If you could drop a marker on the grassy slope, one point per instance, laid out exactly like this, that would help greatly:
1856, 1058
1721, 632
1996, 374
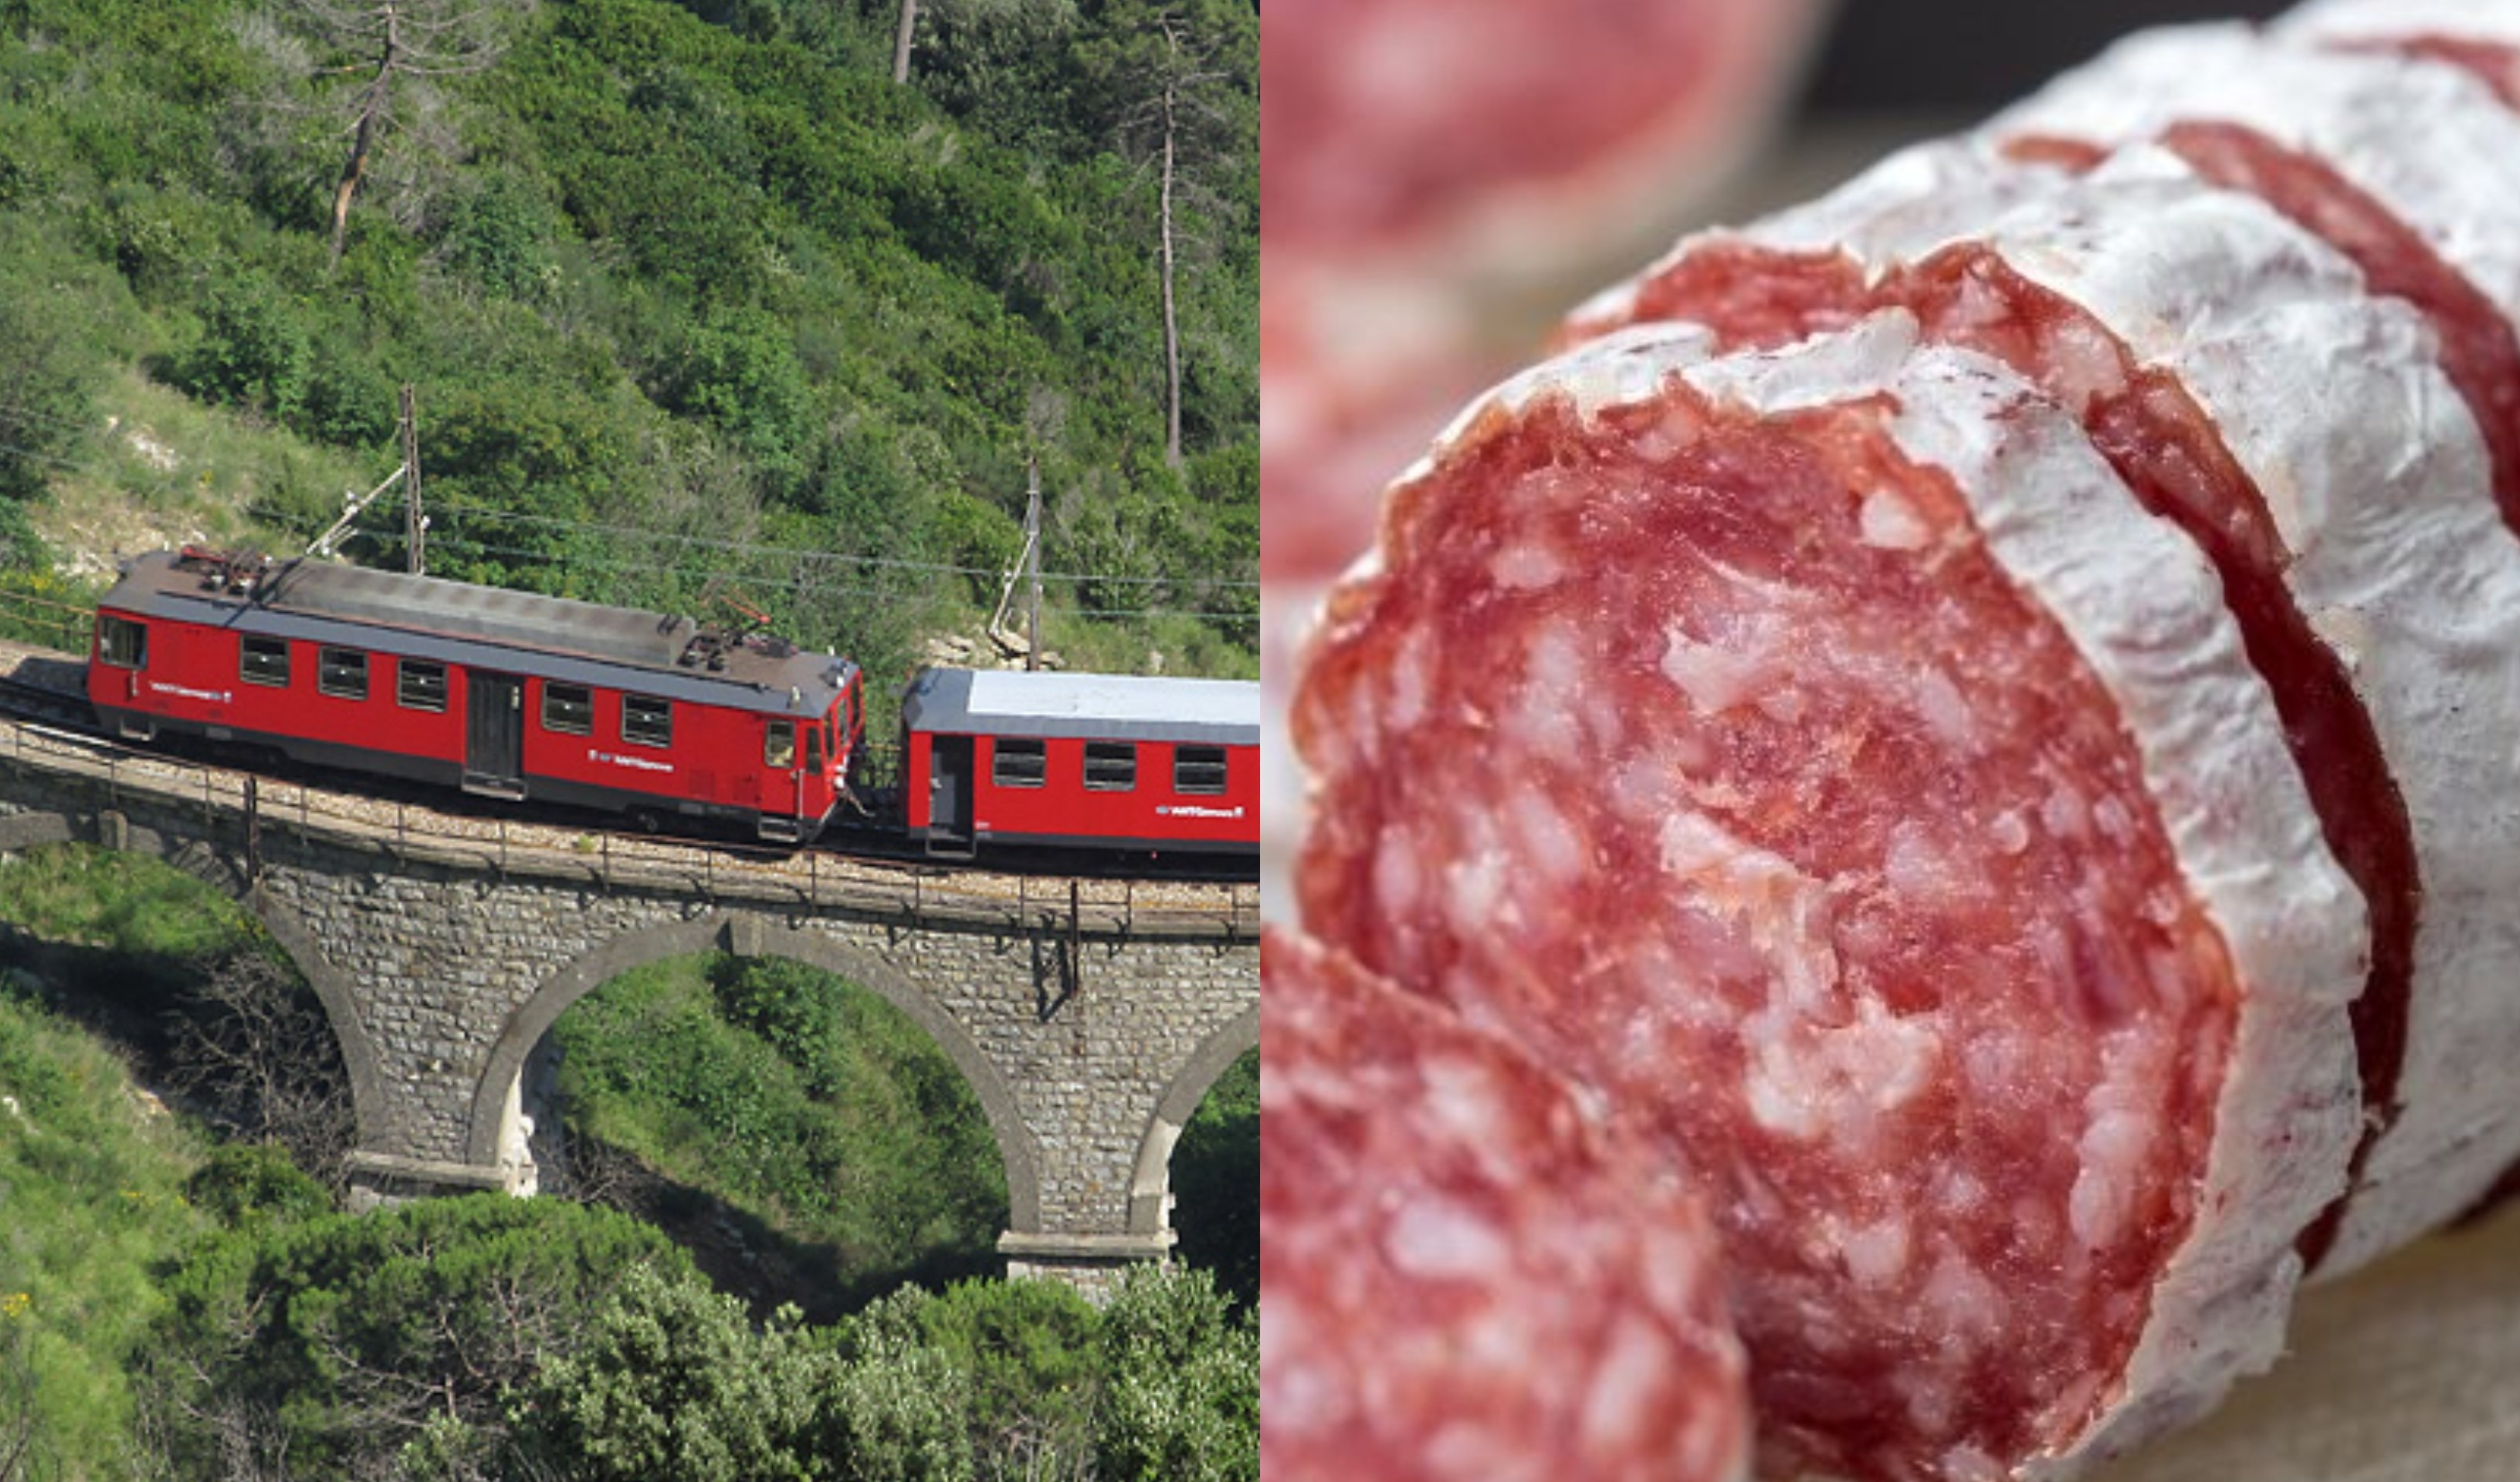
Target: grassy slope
91, 1168
126, 904
91, 1175
1216, 1181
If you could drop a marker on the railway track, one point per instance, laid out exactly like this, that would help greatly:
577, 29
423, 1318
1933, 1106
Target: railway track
46, 689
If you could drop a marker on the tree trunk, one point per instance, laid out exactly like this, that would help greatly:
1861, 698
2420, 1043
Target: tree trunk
363, 140
901, 40
1172, 321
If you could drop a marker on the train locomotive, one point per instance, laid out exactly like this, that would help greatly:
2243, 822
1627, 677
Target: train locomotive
660, 720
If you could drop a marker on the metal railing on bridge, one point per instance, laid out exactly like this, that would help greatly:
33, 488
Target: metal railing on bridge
35, 618
808, 879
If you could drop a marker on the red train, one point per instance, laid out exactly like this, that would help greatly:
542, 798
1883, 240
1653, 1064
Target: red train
663, 721
1127, 763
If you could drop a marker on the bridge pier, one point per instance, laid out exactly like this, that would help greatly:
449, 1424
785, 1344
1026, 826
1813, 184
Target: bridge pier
1091, 1263
1088, 1031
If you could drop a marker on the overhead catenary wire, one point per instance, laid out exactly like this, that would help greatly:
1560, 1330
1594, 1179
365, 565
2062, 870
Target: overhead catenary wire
441, 539
268, 515
846, 558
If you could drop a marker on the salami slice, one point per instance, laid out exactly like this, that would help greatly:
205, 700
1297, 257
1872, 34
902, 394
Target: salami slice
2414, 145
1356, 380
1286, 609
2302, 432
1423, 157
1492, 139
1823, 754
1461, 1277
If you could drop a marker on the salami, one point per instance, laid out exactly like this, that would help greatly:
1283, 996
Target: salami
2378, 594
2480, 35
1286, 611
2409, 166
1462, 1277
1356, 382
1977, 715
1422, 158
1823, 754
1488, 139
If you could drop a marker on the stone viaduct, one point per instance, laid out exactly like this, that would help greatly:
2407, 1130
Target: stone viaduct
1090, 1017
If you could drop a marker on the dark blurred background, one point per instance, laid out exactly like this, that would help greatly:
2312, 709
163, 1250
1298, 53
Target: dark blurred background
1978, 55
1888, 72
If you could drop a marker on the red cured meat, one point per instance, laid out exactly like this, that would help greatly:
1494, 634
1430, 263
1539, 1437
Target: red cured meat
1815, 977
1422, 159
2479, 350
1460, 1277
1392, 121
2173, 458
2495, 64
1351, 387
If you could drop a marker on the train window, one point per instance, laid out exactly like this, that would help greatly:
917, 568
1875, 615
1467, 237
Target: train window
423, 686
342, 672
1019, 764
121, 643
1199, 769
265, 661
569, 709
782, 750
1110, 766
647, 721
814, 750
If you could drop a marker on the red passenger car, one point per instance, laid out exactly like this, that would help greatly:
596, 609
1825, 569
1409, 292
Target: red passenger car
504, 694
1003, 756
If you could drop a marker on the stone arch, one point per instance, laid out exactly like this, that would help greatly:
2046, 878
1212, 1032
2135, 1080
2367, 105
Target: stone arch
752, 937
1150, 1185
111, 831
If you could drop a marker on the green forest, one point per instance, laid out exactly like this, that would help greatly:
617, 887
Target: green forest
693, 299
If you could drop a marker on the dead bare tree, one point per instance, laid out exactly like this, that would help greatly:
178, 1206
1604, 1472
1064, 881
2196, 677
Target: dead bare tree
1173, 119
400, 48
901, 40
252, 1047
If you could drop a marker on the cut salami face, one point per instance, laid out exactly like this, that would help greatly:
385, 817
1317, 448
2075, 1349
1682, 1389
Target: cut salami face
2243, 380
1461, 1277
1979, 716
1822, 755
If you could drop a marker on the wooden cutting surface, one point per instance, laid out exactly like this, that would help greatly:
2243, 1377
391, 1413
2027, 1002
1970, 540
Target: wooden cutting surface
2405, 1371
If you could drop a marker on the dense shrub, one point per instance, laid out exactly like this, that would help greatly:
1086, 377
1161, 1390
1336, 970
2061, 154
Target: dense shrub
339, 1341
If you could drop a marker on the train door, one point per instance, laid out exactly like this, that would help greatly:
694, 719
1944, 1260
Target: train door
494, 749
780, 795
949, 794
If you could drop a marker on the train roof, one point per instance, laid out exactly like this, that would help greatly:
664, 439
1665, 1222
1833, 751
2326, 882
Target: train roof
1222, 712
485, 627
